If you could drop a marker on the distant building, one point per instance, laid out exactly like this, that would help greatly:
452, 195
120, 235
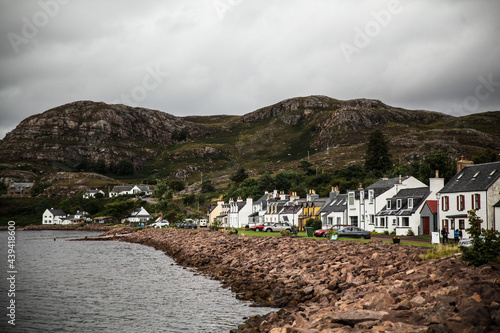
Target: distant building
139, 215
53, 216
127, 190
92, 193
20, 190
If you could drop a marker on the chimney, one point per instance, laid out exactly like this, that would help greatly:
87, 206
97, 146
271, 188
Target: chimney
360, 186
400, 180
437, 174
463, 163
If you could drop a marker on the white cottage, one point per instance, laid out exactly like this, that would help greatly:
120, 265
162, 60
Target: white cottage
53, 216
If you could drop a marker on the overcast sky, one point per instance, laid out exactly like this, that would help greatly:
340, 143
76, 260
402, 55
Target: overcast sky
202, 57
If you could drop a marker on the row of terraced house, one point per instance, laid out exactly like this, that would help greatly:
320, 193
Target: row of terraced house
402, 205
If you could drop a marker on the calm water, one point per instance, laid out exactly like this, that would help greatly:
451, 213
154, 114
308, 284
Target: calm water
64, 286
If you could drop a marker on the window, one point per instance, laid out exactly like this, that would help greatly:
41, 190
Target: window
388, 204
370, 196
460, 202
330, 220
354, 221
445, 203
372, 219
362, 197
398, 204
339, 220
351, 199
452, 225
410, 203
476, 201
382, 221
461, 224
406, 222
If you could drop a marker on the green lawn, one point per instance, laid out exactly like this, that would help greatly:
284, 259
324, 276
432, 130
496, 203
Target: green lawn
425, 239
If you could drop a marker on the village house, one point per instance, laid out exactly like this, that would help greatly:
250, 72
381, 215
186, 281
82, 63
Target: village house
335, 212
53, 216
92, 194
475, 187
239, 211
20, 190
364, 204
130, 190
311, 208
138, 216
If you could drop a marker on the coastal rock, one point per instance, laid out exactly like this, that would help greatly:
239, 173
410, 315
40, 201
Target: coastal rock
326, 286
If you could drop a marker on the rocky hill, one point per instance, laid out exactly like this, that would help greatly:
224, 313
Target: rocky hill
95, 131
330, 132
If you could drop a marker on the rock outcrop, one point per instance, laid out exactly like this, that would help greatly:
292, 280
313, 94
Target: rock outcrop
94, 131
339, 286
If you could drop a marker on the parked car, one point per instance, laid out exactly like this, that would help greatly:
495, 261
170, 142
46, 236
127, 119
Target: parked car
336, 227
260, 227
353, 232
160, 224
279, 226
465, 242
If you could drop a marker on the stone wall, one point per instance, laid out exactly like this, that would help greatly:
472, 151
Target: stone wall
338, 286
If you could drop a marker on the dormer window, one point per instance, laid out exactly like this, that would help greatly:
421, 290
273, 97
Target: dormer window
388, 204
410, 203
370, 196
398, 204
362, 197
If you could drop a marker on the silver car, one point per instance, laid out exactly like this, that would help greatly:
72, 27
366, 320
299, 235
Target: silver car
278, 227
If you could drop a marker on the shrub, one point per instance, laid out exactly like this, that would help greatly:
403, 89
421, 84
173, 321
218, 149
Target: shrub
285, 233
314, 223
485, 243
386, 232
410, 233
330, 233
374, 233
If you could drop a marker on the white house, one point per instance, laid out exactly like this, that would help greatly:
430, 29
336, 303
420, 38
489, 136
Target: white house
127, 190
334, 212
239, 211
475, 187
139, 215
92, 193
53, 216
364, 204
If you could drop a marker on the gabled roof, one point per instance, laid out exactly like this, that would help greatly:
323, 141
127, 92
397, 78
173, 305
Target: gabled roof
417, 194
433, 206
337, 204
57, 212
477, 177
121, 188
386, 183
21, 185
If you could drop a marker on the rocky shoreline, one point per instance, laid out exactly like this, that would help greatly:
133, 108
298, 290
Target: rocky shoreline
77, 227
337, 286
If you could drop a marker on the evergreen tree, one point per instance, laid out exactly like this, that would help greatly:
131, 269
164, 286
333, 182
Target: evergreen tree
377, 157
239, 176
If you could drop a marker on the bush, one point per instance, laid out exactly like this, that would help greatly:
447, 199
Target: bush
330, 233
285, 233
314, 223
485, 243
386, 232
410, 233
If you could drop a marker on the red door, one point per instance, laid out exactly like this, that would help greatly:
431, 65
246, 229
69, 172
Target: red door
426, 226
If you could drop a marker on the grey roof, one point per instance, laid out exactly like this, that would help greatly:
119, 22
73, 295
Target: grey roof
337, 204
386, 183
478, 177
57, 212
143, 188
21, 185
121, 188
417, 194
497, 204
